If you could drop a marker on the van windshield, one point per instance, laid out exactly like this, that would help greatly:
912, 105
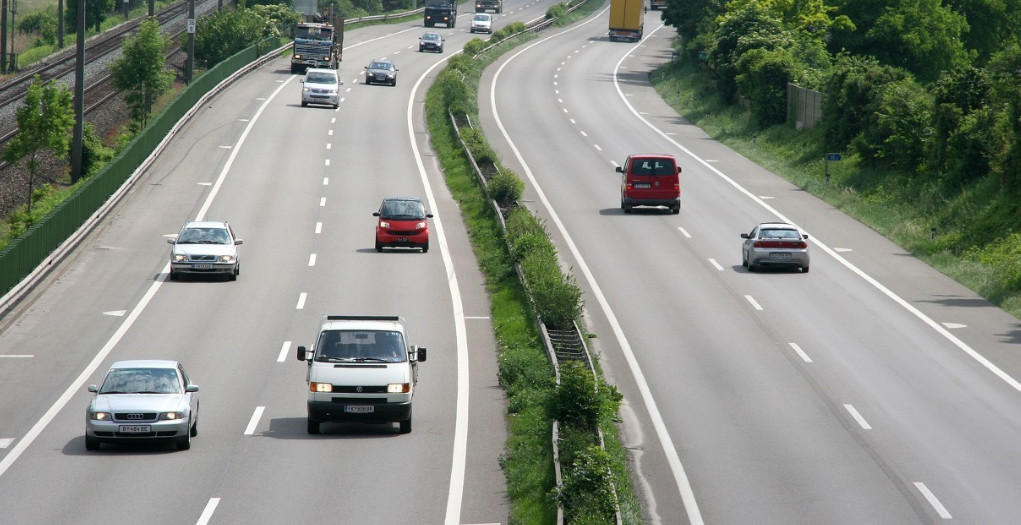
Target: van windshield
360, 346
653, 167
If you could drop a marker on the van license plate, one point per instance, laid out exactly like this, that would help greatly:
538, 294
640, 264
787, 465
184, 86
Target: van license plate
359, 409
643, 185
130, 429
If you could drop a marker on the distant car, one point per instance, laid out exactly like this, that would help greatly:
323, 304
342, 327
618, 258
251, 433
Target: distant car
650, 180
775, 244
430, 42
482, 23
321, 86
381, 71
143, 400
403, 222
205, 247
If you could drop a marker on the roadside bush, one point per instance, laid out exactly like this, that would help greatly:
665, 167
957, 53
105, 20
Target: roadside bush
587, 490
474, 47
575, 401
506, 188
522, 222
556, 296
42, 22
556, 11
95, 154
529, 243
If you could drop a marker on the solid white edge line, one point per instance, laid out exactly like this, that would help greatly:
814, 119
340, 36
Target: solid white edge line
254, 422
455, 492
76, 385
666, 442
207, 513
284, 350
857, 416
933, 500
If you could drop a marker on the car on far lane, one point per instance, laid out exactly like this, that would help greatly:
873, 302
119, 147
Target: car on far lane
430, 41
482, 23
381, 71
143, 400
775, 244
403, 222
205, 248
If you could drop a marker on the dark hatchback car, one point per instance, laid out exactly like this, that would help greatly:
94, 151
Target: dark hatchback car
430, 42
381, 71
403, 222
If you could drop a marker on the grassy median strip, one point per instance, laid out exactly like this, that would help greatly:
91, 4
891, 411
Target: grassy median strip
525, 372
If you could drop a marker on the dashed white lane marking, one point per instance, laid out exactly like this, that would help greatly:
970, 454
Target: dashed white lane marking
207, 513
284, 350
326, 181
684, 232
319, 227
312, 260
801, 353
301, 301
753, 303
254, 422
205, 184
322, 201
327, 162
765, 197
330, 132
597, 147
225, 147
6, 442
715, 264
329, 146
116, 313
16, 356
954, 326
933, 500
858, 417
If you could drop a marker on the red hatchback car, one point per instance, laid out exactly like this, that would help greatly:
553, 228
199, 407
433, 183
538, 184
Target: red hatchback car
650, 180
402, 223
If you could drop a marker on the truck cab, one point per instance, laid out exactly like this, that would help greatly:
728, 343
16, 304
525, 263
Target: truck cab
361, 369
441, 12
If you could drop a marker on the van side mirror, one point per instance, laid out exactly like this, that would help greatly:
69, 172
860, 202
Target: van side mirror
678, 169
620, 169
417, 353
301, 354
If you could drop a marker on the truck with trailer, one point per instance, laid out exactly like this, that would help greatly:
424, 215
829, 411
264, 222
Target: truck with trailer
441, 12
627, 20
317, 44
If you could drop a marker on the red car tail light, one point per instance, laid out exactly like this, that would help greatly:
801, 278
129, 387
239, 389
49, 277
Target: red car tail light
798, 245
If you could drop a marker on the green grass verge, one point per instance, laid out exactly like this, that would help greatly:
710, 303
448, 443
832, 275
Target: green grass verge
525, 372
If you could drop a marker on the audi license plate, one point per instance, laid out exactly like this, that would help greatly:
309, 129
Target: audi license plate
642, 185
359, 409
133, 429
779, 255
202, 267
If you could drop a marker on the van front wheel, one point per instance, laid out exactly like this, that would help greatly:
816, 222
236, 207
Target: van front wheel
313, 426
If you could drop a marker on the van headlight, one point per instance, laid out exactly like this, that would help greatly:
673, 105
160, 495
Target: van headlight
398, 388
320, 387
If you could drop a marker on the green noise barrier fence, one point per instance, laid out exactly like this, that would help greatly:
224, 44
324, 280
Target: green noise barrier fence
24, 254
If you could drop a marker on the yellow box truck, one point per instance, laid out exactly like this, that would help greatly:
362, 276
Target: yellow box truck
627, 18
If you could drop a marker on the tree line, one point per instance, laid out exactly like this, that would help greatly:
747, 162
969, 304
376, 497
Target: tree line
926, 90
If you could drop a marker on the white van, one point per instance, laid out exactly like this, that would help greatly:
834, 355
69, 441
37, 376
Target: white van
361, 369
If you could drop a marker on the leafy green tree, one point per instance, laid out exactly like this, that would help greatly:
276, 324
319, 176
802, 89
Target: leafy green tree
1005, 74
227, 32
96, 12
853, 86
45, 120
763, 75
282, 19
141, 71
42, 22
962, 119
994, 23
922, 36
738, 31
686, 16
901, 127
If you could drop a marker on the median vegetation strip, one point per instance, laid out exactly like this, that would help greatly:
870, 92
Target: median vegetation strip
533, 400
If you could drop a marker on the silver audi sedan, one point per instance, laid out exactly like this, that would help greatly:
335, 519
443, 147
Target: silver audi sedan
143, 400
205, 247
776, 244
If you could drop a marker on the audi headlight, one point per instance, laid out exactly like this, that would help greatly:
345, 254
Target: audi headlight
100, 416
171, 416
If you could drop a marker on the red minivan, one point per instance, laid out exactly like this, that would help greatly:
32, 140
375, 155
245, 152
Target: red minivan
650, 180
